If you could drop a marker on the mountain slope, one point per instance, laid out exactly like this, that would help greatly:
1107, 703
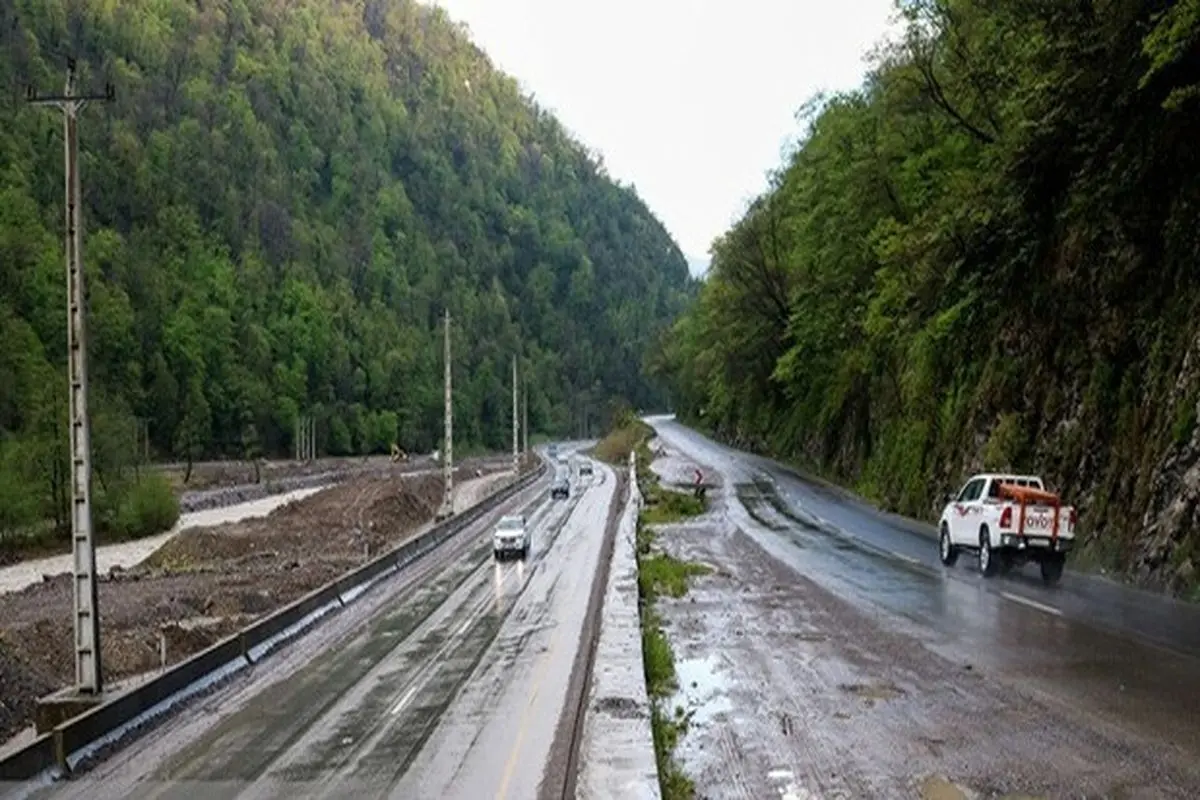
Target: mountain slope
983, 258
278, 206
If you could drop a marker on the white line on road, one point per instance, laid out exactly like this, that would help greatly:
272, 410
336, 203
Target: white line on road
1016, 598
464, 627
909, 559
403, 701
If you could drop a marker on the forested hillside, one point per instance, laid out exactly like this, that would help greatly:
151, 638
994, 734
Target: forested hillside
985, 257
278, 206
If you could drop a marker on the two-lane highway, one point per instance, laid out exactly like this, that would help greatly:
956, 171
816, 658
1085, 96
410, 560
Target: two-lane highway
1087, 689
449, 684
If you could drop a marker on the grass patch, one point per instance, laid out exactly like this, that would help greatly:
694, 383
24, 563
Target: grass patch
631, 434
659, 658
660, 574
673, 783
664, 505
661, 505
666, 729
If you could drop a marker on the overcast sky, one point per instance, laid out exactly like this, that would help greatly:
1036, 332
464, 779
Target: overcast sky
691, 101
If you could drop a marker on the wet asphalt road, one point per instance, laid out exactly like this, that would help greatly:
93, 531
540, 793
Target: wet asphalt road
451, 686
1088, 689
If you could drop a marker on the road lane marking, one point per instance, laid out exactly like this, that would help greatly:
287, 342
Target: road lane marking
430, 666
1016, 598
540, 671
511, 765
403, 701
909, 559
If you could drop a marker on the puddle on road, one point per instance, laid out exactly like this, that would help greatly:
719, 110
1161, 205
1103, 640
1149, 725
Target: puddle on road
936, 787
753, 499
872, 692
702, 692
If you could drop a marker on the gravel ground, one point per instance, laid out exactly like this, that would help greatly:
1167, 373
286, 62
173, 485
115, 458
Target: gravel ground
235, 482
122, 555
204, 584
208, 475
793, 691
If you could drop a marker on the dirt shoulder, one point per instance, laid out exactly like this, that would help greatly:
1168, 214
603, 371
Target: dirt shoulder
206, 583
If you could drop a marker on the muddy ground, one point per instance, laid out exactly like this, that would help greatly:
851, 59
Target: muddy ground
213, 474
206, 583
794, 690
222, 483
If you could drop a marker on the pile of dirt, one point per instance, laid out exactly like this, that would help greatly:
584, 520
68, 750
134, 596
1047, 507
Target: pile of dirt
20, 686
205, 584
225, 483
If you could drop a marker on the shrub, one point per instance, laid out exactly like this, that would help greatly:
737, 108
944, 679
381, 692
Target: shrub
143, 508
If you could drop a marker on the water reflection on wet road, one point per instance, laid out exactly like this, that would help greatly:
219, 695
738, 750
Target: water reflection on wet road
450, 682
1109, 673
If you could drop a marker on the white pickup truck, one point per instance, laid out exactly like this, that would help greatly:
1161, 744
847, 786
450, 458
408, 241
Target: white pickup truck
1008, 520
511, 537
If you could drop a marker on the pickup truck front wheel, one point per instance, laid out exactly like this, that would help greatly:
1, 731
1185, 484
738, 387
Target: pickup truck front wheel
946, 549
988, 563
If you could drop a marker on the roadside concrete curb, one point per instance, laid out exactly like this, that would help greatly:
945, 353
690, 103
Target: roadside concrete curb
617, 751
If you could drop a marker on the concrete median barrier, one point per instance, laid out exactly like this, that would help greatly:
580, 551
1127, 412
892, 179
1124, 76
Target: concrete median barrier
33, 758
616, 755
62, 749
76, 734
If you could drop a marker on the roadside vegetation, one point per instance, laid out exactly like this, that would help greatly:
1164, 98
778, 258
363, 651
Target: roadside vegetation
272, 237
665, 505
660, 574
130, 507
629, 434
983, 257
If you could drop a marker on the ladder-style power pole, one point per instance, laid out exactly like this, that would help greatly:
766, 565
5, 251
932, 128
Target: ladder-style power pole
448, 445
516, 453
89, 678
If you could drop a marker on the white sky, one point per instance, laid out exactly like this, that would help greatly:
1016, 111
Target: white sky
692, 101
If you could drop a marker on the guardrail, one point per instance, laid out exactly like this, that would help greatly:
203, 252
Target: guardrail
61, 750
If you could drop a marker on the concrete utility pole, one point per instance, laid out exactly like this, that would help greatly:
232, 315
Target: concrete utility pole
515, 426
89, 678
447, 508
525, 419
306, 438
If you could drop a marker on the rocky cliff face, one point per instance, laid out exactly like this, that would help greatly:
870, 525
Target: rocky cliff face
1165, 553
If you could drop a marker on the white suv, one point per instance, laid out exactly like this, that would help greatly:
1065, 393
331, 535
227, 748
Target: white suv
511, 537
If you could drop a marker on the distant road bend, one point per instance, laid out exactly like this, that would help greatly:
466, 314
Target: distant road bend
448, 682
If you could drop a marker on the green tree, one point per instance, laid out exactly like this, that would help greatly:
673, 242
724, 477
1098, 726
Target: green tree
195, 428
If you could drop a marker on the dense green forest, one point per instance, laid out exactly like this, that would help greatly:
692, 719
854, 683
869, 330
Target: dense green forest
278, 206
986, 256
